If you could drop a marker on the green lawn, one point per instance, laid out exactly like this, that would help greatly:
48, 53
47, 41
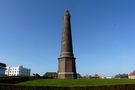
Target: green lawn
77, 82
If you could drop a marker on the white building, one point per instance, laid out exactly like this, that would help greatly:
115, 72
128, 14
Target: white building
2, 69
17, 71
131, 75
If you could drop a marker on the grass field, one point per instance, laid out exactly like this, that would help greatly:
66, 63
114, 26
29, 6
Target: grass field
77, 82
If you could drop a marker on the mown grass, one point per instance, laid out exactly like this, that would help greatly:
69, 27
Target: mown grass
77, 82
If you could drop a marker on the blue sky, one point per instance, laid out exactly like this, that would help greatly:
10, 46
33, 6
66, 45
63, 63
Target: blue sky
103, 34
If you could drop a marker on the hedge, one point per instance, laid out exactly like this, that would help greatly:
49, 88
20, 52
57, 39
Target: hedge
105, 87
15, 79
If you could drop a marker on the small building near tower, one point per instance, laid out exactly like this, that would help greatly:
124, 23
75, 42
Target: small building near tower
17, 71
2, 69
131, 75
51, 75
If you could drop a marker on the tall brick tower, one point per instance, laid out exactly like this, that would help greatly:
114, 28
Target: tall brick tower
67, 66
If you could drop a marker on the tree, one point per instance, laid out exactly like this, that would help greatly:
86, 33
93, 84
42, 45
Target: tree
121, 76
36, 75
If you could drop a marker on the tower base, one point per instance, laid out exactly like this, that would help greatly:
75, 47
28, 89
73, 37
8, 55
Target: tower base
67, 68
67, 75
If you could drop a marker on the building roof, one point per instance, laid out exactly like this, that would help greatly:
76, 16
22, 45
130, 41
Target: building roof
51, 73
132, 73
